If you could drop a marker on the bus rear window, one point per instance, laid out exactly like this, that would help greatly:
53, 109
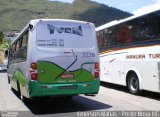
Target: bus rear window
64, 35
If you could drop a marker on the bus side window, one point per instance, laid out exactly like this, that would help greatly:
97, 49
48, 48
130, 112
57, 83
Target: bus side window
19, 44
25, 40
24, 46
14, 47
125, 34
14, 52
101, 39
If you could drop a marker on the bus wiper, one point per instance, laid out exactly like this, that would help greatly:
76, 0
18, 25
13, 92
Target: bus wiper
69, 65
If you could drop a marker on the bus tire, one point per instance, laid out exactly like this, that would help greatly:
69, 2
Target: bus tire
8, 80
18, 90
133, 84
20, 96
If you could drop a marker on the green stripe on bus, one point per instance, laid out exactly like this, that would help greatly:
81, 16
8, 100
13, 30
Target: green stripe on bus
51, 73
19, 76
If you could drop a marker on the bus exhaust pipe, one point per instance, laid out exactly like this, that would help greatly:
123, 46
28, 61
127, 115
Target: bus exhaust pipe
90, 95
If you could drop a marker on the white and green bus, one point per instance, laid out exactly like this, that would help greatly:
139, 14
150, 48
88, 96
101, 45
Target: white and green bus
54, 57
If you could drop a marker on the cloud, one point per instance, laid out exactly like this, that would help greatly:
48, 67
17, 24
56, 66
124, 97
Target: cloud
148, 9
157, 0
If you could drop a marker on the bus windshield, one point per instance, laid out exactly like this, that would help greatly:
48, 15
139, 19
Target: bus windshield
64, 35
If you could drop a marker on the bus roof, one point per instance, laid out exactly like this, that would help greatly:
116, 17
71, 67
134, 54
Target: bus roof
33, 21
66, 20
116, 22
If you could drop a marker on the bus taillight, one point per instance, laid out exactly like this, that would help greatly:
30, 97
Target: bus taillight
96, 72
96, 66
34, 66
33, 71
34, 76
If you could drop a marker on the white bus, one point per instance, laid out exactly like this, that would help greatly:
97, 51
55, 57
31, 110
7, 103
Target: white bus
130, 52
53, 57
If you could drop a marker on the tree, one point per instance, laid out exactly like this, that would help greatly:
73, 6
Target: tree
1, 37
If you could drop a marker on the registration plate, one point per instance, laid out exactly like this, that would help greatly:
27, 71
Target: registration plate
65, 76
67, 87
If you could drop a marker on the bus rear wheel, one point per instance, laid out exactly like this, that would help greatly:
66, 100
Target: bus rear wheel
133, 84
8, 80
20, 96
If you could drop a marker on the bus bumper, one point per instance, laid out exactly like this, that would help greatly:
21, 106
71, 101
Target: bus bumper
37, 89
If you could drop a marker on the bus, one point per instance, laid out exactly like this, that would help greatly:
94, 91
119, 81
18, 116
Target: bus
130, 52
54, 57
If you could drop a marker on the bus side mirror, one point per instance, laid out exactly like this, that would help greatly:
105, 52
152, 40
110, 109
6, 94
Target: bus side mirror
30, 26
6, 53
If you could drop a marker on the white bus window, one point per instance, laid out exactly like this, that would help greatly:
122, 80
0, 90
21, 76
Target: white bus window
62, 35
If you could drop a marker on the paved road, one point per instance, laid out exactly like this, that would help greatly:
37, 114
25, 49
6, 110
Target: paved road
110, 98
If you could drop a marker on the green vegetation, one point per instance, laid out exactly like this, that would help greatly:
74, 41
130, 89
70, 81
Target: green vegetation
3, 42
4, 45
15, 14
1, 37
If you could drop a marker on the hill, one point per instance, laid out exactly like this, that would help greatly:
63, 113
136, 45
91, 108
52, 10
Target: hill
15, 14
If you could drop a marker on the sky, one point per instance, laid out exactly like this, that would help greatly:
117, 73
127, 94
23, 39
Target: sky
131, 6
